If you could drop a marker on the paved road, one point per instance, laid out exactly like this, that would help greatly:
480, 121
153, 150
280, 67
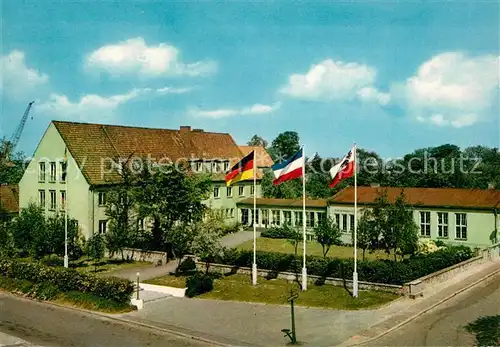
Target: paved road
444, 325
45, 325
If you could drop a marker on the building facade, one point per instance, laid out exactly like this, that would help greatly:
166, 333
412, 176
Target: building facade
455, 216
93, 152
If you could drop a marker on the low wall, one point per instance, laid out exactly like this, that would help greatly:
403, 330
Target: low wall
154, 257
177, 292
227, 269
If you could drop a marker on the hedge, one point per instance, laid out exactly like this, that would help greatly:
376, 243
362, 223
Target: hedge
67, 280
276, 233
376, 271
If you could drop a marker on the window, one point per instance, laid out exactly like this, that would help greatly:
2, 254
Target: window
310, 219
265, 218
62, 171
53, 173
101, 198
443, 224
276, 217
231, 212
52, 205
351, 224
244, 216
41, 198
199, 166
252, 190
214, 166
337, 219
461, 226
425, 224
298, 218
344, 223
63, 200
216, 192
226, 166
287, 217
229, 192
256, 217
241, 190
321, 217
41, 172
102, 226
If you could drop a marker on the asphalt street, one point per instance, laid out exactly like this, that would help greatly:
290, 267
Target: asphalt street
47, 325
444, 326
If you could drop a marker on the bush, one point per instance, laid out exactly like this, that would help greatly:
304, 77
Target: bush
198, 284
187, 265
67, 280
276, 233
377, 271
52, 260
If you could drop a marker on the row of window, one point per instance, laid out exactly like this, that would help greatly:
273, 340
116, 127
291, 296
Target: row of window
212, 166
442, 225
345, 221
229, 191
52, 172
53, 205
277, 219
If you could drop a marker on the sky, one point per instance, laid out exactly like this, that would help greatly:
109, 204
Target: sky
389, 76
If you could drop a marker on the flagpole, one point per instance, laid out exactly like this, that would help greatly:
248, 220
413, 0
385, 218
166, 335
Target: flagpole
66, 260
254, 264
355, 273
304, 268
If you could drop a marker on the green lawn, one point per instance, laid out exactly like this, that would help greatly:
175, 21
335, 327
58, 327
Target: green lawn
313, 248
105, 265
169, 281
276, 291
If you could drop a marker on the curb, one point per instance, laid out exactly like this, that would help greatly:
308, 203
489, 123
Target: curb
408, 320
125, 321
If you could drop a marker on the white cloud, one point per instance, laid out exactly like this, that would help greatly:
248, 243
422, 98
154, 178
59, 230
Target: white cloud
134, 56
255, 109
92, 107
17, 79
336, 80
453, 89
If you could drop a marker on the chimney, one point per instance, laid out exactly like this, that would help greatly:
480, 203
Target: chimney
374, 185
185, 129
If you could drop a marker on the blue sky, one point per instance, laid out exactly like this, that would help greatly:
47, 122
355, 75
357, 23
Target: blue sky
391, 77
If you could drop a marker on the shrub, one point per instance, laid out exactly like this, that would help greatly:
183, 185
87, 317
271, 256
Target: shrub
187, 265
52, 260
377, 271
276, 233
67, 280
198, 284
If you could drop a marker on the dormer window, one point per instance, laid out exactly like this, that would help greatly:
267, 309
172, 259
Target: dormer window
226, 166
215, 167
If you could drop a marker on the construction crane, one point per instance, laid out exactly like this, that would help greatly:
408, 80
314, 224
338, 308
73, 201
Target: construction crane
10, 145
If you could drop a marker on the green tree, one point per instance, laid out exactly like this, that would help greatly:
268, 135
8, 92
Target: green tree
400, 236
327, 234
367, 233
95, 249
257, 141
182, 237
11, 171
56, 233
29, 230
7, 248
206, 244
285, 145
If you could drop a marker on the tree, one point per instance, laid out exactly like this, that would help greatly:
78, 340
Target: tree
11, 171
327, 234
285, 145
7, 248
95, 249
400, 234
286, 190
168, 196
30, 231
182, 237
56, 236
207, 244
367, 233
257, 141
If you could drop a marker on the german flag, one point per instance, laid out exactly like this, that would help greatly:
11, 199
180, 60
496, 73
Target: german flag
242, 170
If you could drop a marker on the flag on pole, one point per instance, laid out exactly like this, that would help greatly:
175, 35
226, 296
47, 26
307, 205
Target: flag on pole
243, 170
289, 169
344, 169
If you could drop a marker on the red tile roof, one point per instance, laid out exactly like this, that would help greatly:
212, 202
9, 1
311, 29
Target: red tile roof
90, 144
9, 198
263, 158
320, 203
430, 197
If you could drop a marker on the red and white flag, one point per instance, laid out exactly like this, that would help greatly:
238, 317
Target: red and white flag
344, 169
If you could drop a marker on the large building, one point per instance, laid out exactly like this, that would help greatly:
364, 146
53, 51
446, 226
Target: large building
456, 216
93, 152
